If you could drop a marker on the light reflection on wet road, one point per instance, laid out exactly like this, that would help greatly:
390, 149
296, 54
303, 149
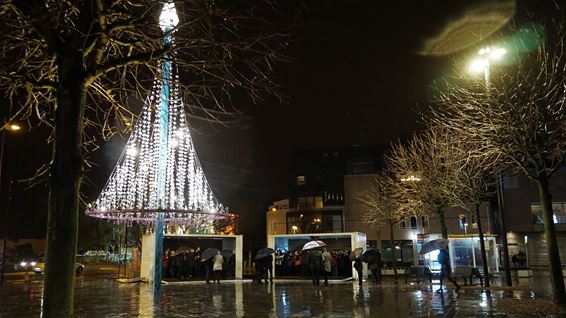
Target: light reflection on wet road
108, 298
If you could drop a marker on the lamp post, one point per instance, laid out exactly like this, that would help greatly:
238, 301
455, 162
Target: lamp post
13, 127
294, 228
483, 63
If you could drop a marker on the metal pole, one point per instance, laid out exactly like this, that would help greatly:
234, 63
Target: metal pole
503, 230
125, 249
4, 216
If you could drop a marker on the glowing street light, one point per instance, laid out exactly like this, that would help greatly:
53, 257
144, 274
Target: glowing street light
13, 127
294, 228
483, 62
410, 178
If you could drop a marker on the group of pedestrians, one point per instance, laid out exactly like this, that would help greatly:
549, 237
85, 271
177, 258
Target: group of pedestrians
320, 264
181, 264
187, 264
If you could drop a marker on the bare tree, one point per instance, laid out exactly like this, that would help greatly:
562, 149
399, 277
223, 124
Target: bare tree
382, 207
472, 181
78, 66
521, 117
420, 166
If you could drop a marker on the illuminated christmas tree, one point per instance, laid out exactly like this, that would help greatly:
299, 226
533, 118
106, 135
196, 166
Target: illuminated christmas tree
158, 179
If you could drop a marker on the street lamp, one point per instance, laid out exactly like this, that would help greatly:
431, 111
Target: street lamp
295, 228
8, 127
483, 62
488, 55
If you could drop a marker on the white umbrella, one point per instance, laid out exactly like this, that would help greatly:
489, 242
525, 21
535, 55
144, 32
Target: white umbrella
433, 246
313, 244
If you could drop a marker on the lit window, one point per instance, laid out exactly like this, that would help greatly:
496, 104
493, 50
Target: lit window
300, 180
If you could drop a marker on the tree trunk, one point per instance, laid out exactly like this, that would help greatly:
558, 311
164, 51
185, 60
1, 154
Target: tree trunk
503, 230
64, 183
556, 277
393, 250
482, 247
443, 228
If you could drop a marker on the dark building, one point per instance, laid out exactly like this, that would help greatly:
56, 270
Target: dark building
317, 187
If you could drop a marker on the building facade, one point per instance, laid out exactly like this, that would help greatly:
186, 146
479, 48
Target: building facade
329, 182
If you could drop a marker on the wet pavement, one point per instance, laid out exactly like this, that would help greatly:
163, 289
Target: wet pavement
99, 297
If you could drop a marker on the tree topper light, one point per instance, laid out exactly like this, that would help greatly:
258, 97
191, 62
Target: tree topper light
168, 19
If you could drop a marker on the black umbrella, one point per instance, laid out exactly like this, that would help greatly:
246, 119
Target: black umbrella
371, 255
226, 253
264, 252
208, 254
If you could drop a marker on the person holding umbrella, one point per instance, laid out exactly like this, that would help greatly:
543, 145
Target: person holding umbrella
445, 270
443, 258
263, 264
358, 265
206, 260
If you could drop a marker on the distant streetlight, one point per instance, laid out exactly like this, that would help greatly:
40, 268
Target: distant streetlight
295, 228
411, 178
487, 55
7, 127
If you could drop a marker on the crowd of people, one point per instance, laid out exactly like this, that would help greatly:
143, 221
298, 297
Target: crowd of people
317, 264
184, 264
296, 263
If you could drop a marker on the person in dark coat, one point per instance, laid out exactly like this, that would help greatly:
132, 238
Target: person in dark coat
445, 269
315, 263
208, 269
375, 268
263, 269
358, 265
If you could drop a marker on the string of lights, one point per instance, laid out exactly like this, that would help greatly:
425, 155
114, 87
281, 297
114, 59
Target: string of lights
159, 173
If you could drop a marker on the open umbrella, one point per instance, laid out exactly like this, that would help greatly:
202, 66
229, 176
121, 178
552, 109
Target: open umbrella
433, 246
226, 253
264, 252
371, 255
208, 254
355, 253
313, 244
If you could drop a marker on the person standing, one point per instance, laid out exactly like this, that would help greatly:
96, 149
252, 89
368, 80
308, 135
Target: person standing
165, 264
445, 269
358, 265
208, 264
326, 265
263, 269
218, 260
315, 262
375, 268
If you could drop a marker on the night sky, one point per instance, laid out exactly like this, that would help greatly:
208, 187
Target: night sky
359, 70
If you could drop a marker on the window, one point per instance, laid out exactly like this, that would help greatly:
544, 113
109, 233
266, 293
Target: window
402, 224
424, 221
301, 180
414, 223
463, 221
559, 214
510, 182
